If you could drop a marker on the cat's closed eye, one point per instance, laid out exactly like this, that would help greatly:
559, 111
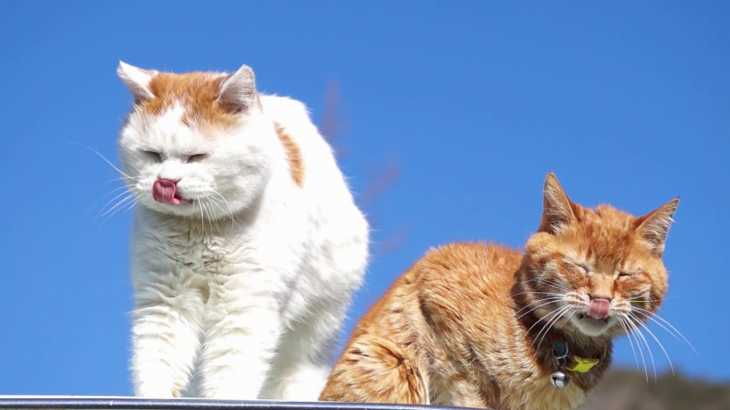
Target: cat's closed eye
624, 274
153, 155
196, 157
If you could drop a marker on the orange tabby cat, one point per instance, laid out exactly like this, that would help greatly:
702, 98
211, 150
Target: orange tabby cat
481, 325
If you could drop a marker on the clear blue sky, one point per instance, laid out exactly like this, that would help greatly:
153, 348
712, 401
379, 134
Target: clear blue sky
474, 102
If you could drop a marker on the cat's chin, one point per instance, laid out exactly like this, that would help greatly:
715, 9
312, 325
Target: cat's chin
591, 327
187, 208
190, 209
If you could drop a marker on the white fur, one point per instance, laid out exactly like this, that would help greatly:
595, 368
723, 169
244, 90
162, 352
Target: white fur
243, 297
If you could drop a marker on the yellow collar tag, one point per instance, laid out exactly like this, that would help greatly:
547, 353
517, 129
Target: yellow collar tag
582, 365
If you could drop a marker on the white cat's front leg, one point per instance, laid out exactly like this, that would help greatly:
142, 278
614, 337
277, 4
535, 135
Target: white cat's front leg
165, 339
239, 348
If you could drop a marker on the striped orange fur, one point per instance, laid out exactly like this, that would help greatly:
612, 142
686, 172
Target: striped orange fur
468, 324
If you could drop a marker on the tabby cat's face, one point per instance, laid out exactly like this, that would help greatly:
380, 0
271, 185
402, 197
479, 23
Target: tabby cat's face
596, 271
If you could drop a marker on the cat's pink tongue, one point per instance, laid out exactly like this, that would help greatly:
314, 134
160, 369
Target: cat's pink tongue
599, 308
164, 190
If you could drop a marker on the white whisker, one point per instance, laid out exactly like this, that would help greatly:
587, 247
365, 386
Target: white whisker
640, 334
227, 205
538, 304
103, 158
111, 211
207, 212
631, 342
666, 325
659, 343
551, 324
631, 334
202, 217
132, 204
547, 318
111, 201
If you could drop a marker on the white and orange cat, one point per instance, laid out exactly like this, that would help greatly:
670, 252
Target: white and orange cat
480, 325
247, 245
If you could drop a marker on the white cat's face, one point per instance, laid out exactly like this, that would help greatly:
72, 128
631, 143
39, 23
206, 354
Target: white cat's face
214, 175
193, 168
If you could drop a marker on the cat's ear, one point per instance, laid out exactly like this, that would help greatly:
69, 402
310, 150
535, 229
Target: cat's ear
654, 226
137, 80
558, 211
238, 91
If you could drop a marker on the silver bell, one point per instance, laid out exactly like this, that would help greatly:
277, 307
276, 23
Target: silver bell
559, 379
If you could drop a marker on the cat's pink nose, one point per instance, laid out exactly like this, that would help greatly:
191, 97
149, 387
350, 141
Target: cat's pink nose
599, 308
165, 191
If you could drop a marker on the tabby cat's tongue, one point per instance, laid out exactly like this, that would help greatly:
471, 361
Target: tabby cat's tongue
599, 308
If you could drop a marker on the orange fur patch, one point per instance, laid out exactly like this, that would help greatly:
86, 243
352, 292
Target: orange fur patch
293, 155
197, 92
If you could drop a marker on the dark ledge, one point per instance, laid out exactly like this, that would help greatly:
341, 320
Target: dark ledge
130, 403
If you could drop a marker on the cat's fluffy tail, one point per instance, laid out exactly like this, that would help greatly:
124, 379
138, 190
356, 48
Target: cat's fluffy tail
377, 371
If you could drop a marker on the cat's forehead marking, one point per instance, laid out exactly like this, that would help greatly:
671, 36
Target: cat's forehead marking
169, 120
606, 233
607, 222
196, 92
610, 217
167, 131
